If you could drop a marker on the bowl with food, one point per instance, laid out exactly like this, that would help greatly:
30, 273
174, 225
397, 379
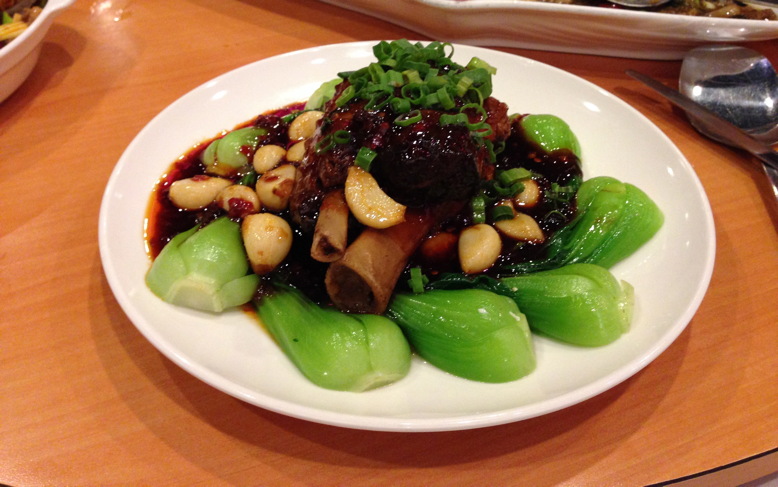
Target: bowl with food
24, 25
580, 26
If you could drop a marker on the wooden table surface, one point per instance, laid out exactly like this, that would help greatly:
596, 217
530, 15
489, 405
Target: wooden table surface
86, 400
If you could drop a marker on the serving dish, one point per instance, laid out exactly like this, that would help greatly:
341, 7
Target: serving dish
565, 28
234, 354
18, 58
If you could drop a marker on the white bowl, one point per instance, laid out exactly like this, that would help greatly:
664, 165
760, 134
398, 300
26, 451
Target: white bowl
18, 57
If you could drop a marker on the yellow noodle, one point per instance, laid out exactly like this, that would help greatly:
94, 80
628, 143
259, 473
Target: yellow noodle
12, 30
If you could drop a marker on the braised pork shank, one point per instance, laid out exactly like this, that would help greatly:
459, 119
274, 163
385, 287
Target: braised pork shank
431, 167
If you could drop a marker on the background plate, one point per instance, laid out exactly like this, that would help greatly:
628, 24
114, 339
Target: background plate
565, 28
234, 354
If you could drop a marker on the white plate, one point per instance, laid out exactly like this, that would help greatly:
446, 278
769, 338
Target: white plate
232, 353
566, 28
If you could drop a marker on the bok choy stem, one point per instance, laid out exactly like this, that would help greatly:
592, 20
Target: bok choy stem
204, 269
334, 350
471, 333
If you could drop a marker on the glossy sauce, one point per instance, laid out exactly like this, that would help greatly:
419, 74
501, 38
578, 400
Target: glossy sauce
164, 220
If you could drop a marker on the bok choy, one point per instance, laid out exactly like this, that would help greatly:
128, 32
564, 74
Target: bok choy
204, 268
614, 219
471, 333
550, 133
581, 304
334, 350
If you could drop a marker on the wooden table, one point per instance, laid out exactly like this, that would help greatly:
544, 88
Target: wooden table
86, 400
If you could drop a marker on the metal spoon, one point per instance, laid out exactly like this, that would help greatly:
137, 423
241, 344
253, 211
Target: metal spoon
738, 84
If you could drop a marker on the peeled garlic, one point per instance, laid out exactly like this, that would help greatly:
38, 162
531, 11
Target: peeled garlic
521, 227
275, 187
238, 200
304, 125
296, 153
267, 157
267, 239
479, 246
530, 196
196, 192
368, 202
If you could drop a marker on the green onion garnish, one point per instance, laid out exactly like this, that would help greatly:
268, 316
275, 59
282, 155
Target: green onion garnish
501, 212
418, 280
478, 208
289, 117
513, 175
341, 137
365, 158
408, 119
249, 179
425, 75
476, 63
453, 119
394, 78
400, 105
445, 99
346, 96
324, 144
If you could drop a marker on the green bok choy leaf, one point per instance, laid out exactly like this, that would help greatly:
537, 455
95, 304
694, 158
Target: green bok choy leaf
205, 269
323, 94
225, 156
469, 333
581, 304
614, 219
334, 350
550, 133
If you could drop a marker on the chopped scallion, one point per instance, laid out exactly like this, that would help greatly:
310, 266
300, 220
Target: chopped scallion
513, 175
289, 117
324, 144
408, 119
249, 179
412, 76
365, 158
425, 75
418, 280
476, 63
445, 99
346, 96
453, 119
341, 137
478, 207
501, 212
400, 105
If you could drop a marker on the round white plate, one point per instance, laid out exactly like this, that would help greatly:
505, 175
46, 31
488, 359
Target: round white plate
549, 26
232, 352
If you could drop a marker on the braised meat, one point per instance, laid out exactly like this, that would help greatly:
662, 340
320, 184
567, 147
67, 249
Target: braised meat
426, 163
419, 164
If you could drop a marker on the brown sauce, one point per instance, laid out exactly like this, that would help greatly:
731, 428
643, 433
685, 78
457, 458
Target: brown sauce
164, 220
